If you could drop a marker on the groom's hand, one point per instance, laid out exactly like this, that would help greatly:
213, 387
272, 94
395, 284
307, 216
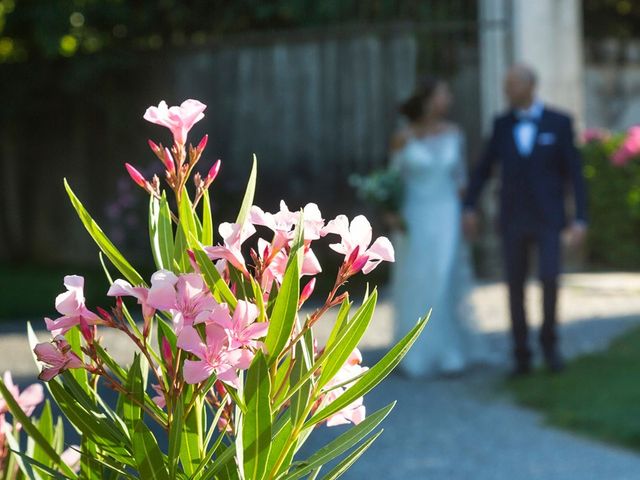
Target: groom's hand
577, 234
470, 224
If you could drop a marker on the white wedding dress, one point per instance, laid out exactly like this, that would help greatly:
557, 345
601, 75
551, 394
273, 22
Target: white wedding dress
432, 269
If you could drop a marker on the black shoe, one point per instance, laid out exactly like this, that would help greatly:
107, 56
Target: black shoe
554, 361
521, 370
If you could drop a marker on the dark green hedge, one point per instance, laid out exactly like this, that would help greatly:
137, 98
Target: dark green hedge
614, 206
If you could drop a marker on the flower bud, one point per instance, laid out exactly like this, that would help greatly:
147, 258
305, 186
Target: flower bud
168, 162
358, 264
353, 256
154, 147
213, 172
307, 290
86, 330
202, 144
136, 176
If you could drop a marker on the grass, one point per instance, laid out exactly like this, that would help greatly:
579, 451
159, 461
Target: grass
29, 291
597, 396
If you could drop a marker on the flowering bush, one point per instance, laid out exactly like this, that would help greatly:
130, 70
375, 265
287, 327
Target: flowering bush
612, 170
227, 379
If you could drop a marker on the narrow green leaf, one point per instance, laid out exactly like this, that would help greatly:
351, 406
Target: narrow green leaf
285, 308
207, 220
256, 427
249, 193
215, 282
107, 247
131, 409
302, 364
51, 473
45, 426
372, 377
175, 438
74, 337
180, 258
187, 218
341, 320
90, 469
347, 342
343, 443
147, 453
352, 458
16, 457
161, 232
33, 431
191, 443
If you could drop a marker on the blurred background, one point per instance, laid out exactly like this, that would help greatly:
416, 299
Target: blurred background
312, 88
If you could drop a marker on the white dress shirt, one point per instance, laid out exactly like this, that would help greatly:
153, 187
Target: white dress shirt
526, 128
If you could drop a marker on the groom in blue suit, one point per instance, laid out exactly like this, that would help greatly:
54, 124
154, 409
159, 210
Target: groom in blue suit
533, 148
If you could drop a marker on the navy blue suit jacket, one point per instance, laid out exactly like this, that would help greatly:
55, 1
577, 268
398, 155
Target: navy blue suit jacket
533, 188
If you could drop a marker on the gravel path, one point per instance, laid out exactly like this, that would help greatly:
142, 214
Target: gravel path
466, 428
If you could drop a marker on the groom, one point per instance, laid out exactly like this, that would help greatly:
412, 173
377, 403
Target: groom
533, 147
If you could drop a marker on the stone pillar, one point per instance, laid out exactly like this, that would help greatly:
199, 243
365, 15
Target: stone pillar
494, 19
547, 34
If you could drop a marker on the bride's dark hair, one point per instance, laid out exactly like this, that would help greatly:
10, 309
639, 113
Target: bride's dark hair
413, 107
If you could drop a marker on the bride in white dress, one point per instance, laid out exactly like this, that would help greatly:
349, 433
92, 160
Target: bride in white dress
432, 269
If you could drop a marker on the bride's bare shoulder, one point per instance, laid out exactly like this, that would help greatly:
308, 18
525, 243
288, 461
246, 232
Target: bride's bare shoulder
400, 138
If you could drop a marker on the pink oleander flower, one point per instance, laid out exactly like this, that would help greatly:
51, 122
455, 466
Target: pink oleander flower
71, 305
71, 456
58, 357
233, 236
29, 399
356, 240
185, 296
277, 265
354, 412
158, 398
282, 223
594, 135
214, 356
241, 328
629, 149
122, 288
177, 119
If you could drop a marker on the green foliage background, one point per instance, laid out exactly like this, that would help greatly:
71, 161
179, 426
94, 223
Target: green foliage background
614, 206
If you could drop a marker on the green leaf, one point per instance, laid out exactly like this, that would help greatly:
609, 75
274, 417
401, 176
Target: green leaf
278, 444
302, 363
187, 218
180, 258
107, 247
285, 308
191, 443
341, 444
348, 340
352, 458
175, 438
256, 428
131, 406
16, 457
74, 337
341, 319
249, 193
207, 220
372, 377
51, 473
215, 282
161, 232
45, 426
90, 469
147, 453
33, 431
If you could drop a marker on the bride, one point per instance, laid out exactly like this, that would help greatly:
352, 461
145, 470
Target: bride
432, 269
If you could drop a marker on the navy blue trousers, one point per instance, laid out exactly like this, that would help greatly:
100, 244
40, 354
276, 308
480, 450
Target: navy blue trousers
518, 245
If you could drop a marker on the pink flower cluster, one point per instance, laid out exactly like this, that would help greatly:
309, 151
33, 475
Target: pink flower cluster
345, 378
595, 135
214, 337
629, 149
